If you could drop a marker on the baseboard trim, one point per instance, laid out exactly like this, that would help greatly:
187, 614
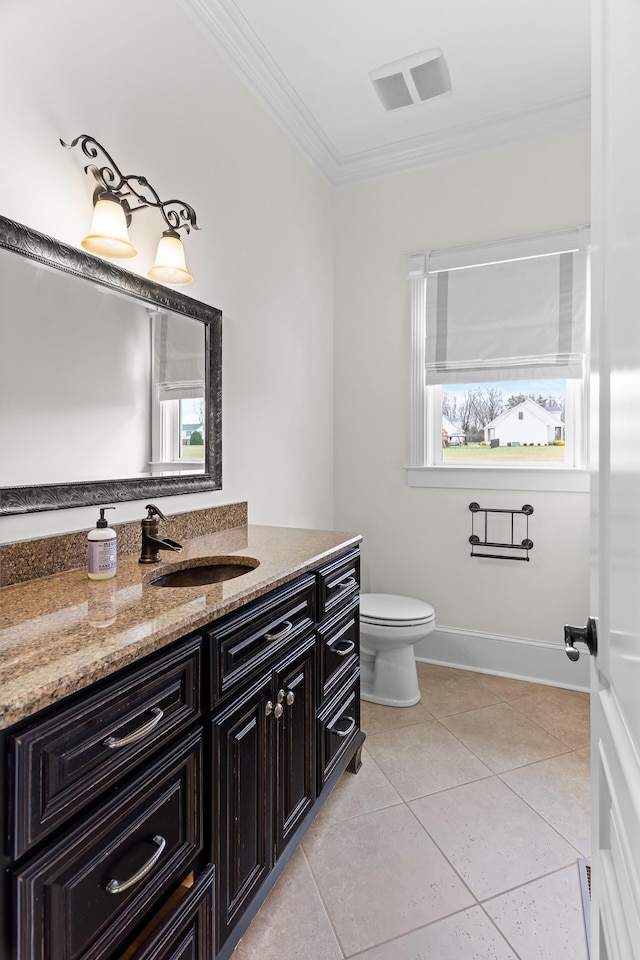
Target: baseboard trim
537, 661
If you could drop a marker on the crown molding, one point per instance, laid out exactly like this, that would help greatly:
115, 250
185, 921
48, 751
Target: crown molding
461, 141
231, 35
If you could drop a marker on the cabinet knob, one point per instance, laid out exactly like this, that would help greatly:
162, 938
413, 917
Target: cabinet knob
280, 696
290, 697
268, 710
278, 710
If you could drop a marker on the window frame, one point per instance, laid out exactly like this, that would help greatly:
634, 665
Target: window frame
426, 468
166, 438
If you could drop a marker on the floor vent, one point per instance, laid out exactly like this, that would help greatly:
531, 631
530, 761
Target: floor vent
584, 871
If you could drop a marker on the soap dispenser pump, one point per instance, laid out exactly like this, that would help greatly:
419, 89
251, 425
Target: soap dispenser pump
102, 552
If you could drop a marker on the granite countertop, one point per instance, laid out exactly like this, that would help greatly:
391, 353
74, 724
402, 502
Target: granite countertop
61, 633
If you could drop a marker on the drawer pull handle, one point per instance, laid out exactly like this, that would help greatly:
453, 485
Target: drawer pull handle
348, 582
351, 722
139, 734
119, 886
288, 627
348, 648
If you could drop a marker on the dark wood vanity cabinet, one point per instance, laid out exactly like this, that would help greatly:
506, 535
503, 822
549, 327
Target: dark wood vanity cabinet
264, 749
285, 725
148, 816
105, 817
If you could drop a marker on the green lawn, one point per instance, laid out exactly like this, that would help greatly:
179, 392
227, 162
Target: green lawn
487, 455
193, 452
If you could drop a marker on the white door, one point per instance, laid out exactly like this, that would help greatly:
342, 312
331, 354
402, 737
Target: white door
616, 490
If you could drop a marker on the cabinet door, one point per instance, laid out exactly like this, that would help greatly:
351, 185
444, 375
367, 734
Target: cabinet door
242, 750
295, 754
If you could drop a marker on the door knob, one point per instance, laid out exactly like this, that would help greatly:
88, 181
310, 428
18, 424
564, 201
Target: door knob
587, 635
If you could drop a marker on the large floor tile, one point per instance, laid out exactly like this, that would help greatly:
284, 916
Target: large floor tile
508, 689
564, 713
292, 923
375, 718
446, 691
492, 837
381, 876
424, 759
503, 738
353, 795
543, 920
559, 789
466, 936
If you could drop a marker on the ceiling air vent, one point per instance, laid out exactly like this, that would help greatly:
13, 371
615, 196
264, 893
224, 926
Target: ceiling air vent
421, 76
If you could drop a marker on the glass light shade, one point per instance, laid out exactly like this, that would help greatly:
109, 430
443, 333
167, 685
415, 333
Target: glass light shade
108, 236
170, 265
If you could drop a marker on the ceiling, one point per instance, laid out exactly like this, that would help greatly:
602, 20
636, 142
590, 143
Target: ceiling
518, 68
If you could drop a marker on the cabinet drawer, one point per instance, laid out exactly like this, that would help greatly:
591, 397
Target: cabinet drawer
186, 931
62, 763
244, 642
338, 581
82, 897
338, 726
339, 648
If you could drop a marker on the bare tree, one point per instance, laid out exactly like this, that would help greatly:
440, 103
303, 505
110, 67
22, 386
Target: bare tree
489, 403
467, 412
450, 407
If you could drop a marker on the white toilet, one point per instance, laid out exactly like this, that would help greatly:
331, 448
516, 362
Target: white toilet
390, 626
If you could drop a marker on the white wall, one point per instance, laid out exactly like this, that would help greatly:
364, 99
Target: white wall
140, 78
79, 403
416, 540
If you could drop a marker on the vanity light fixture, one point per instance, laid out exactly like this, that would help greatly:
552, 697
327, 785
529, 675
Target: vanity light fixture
113, 199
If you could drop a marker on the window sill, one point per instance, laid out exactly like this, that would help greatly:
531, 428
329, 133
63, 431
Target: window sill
500, 478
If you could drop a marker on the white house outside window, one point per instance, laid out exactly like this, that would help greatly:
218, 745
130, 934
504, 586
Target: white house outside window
499, 361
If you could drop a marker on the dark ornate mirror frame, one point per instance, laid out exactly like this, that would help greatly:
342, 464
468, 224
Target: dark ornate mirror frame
53, 253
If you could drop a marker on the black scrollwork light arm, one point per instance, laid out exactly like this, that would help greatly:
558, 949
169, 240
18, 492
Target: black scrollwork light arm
177, 214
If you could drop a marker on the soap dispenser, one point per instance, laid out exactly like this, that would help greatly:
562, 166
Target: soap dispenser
102, 549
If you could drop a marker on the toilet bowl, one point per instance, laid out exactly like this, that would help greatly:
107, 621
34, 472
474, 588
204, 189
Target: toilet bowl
390, 627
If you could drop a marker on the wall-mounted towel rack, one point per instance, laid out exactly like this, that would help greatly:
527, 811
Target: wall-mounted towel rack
523, 546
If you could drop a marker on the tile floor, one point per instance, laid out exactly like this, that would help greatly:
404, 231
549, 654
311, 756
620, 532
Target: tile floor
458, 839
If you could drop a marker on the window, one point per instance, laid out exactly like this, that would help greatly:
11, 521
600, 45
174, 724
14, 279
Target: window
499, 361
178, 387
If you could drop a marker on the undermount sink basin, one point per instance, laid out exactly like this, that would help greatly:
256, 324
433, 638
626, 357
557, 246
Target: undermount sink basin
200, 572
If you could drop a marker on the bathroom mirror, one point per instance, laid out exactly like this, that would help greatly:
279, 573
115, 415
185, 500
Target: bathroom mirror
110, 384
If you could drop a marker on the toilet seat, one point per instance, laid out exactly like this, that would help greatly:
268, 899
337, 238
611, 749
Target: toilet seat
388, 609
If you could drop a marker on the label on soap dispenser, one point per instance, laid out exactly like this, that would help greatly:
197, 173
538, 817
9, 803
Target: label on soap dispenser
102, 556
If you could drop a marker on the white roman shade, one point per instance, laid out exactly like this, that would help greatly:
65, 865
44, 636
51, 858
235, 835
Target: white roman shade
508, 311
178, 356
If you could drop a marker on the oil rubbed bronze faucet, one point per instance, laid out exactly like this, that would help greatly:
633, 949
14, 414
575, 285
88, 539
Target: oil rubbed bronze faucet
152, 543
